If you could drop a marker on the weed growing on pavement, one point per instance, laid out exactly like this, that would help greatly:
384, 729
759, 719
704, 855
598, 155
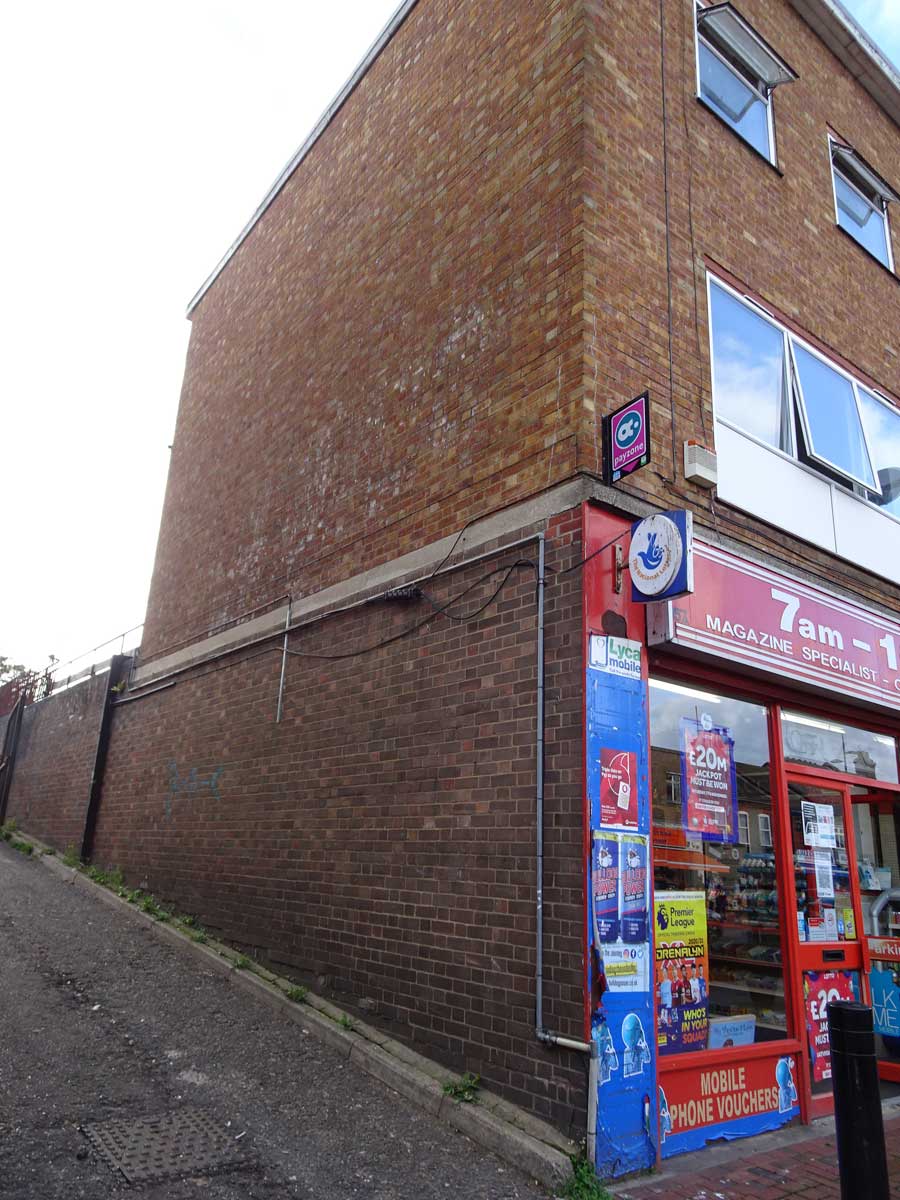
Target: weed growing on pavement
297, 994
465, 1089
242, 963
199, 937
584, 1184
23, 847
346, 1022
70, 856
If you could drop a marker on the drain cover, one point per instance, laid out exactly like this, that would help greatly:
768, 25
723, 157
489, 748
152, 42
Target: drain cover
184, 1142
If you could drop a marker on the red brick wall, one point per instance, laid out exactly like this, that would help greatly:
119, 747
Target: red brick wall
384, 833
397, 345
55, 762
728, 208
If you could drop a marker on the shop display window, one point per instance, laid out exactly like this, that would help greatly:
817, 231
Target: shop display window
719, 972
832, 746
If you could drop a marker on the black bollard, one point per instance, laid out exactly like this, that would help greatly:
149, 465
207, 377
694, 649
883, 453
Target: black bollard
859, 1128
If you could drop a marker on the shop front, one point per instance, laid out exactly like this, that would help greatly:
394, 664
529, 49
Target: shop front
750, 765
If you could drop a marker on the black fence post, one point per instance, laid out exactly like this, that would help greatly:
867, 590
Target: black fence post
859, 1127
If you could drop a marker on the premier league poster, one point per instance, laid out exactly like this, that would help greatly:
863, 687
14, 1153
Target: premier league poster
682, 971
708, 780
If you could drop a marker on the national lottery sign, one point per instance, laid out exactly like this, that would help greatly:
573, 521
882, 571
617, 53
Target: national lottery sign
748, 614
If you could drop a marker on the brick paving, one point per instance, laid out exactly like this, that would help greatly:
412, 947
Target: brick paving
804, 1168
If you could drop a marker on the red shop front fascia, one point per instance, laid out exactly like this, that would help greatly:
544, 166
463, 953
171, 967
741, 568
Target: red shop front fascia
788, 885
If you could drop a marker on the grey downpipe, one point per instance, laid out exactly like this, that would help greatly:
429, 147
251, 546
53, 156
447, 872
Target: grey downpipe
543, 1035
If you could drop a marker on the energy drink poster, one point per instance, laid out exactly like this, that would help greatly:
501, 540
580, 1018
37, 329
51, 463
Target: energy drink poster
682, 972
708, 780
619, 925
619, 889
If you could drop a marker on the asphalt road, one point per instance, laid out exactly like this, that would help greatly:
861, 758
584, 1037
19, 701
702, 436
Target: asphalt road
100, 1021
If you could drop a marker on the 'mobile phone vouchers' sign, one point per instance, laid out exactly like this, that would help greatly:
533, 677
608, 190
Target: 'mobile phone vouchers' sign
752, 1097
750, 614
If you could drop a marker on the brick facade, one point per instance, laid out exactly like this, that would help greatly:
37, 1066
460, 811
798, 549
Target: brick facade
54, 763
396, 347
383, 834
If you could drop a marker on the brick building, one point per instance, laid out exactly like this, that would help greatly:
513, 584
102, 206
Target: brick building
345, 745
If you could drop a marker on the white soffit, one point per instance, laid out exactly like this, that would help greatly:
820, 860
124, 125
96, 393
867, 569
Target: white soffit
855, 49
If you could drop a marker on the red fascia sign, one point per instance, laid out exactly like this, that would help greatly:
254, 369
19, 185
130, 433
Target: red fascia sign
747, 613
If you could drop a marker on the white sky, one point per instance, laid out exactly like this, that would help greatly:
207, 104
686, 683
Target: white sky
137, 142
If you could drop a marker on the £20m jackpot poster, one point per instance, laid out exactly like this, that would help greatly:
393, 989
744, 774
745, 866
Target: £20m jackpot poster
708, 780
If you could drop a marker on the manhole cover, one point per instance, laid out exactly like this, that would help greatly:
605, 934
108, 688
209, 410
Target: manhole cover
184, 1142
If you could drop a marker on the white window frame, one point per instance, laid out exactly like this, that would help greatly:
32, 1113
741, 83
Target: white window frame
793, 340
764, 824
878, 205
759, 87
743, 828
860, 491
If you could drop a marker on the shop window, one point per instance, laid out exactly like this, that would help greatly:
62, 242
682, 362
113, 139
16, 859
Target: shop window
765, 830
833, 746
821, 866
737, 73
772, 387
861, 198
743, 827
718, 941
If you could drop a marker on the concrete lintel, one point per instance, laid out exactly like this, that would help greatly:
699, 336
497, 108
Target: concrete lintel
529, 513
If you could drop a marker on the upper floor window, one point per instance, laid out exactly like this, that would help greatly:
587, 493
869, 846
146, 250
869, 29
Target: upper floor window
737, 72
781, 391
861, 198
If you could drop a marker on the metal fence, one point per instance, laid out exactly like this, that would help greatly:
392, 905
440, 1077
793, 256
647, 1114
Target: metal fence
32, 686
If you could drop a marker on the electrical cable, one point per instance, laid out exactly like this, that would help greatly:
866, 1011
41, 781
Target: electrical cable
440, 610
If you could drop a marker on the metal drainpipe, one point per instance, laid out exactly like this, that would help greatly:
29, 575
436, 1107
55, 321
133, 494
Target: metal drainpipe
539, 949
543, 1035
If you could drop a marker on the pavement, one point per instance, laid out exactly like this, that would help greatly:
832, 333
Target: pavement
101, 1021
796, 1164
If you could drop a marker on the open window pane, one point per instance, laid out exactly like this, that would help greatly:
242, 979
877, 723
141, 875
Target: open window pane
748, 371
831, 418
882, 424
862, 219
736, 102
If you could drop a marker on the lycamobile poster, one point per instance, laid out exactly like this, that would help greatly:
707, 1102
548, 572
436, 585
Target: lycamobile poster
708, 780
682, 971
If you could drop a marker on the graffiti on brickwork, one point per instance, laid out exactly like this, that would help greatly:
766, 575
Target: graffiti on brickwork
191, 784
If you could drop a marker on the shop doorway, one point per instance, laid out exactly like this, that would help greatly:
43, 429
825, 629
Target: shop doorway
827, 941
845, 945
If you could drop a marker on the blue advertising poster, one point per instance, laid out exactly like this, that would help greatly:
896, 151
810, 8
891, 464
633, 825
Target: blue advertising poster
619, 924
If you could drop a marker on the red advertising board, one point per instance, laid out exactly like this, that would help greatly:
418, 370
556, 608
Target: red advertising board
618, 788
750, 614
819, 989
754, 1089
